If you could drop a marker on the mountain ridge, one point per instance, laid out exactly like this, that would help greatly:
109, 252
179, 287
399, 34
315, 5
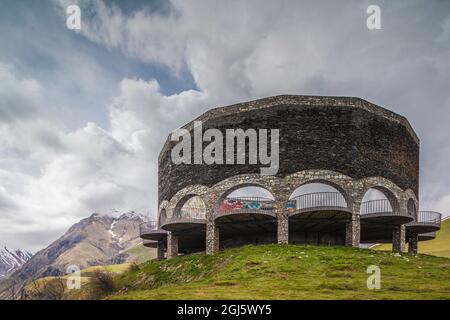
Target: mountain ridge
96, 240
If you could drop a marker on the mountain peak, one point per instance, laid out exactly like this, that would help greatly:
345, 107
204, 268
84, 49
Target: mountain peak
10, 260
116, 215
132, 215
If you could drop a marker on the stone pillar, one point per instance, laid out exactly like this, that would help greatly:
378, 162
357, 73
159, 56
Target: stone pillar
172, 245
413, 240
160, 250
398, 239
353, 230
282, 221
283, 229
212, 230
212, 237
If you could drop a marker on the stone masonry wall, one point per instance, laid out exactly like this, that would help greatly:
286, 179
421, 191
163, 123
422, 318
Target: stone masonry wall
348, 143
346, 135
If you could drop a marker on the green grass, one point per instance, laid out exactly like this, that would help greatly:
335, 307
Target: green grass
140, 254
85, 274
438, 247
114, 268
287, 272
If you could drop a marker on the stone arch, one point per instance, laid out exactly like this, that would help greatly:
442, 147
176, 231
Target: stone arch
390, 190
411, 208
163, 213
188, 192
411, 203
409, 194
162, 217
183, 195
227, 192
222, 189
339, 181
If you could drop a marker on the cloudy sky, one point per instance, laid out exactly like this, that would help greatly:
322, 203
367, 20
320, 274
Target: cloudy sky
83, 114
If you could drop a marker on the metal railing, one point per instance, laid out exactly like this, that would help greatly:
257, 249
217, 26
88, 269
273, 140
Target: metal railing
317, 200
146, 227
188, 213
245, 203
428, 218
376, 207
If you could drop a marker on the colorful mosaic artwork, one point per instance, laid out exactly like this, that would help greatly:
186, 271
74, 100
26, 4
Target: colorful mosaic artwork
291, 205
231, 204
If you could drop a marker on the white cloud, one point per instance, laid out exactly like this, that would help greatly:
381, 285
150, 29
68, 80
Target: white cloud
52, 176
86, 170
250, 49
19, 96
113, 29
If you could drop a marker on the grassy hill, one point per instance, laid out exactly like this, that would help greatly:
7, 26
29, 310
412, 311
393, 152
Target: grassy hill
438, 247
137, 254
82, 294
287, 272
140, 253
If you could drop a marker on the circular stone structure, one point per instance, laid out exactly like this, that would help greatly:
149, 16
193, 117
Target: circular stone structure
347, 143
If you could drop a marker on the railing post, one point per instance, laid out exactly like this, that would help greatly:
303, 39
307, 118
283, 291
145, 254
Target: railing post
353, 227
172, 245
398, 239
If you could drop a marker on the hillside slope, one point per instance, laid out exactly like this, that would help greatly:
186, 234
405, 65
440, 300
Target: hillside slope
439, 247
287, 272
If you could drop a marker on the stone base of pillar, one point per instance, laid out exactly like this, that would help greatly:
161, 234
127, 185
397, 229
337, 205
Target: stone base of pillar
160, 250
413, 243
398, 239
212, 238
172, 245
283, 229
353, 231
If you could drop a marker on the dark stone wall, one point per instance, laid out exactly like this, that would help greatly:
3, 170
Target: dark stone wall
337, 135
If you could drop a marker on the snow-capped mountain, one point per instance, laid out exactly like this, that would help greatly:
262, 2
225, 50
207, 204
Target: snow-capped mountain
10, 260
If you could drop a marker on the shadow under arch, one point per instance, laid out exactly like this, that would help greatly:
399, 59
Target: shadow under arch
244, 215
318, 212
325, 182
380, 201
381, 214
188, 222
190, 206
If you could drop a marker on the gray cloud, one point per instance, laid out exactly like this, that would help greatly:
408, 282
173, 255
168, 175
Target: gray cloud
59, 167
246, 50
